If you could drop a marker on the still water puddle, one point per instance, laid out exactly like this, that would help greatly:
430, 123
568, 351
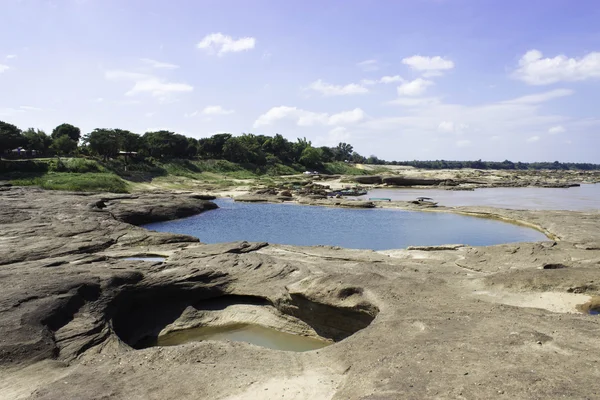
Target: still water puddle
249, 333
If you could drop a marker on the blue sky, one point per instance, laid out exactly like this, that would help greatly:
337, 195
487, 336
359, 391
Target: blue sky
419, 79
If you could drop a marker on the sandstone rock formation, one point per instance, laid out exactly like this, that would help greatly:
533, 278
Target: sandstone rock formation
447, 322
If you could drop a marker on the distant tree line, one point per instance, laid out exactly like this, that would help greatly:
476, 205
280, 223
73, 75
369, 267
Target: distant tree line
258, 150
508, 165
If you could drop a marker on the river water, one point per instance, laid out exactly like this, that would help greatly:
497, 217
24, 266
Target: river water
583, 198
377, 229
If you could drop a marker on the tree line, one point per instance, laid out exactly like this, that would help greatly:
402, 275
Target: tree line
257, 150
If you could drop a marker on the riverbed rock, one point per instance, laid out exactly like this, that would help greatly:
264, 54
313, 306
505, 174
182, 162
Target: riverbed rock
368, 179
457, 322
202, 196
404, 181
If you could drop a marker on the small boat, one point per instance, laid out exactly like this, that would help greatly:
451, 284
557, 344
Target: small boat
425, 201
348, 192
380, 199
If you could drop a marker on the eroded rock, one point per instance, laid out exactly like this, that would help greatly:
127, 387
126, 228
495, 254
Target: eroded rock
457, 321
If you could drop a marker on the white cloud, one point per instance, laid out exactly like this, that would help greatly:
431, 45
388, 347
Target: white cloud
222, 44
11, 56
384, 79
391, 79
158, 64
284, 112
451, 127
414, 88
463, 143
309, 118
333, 137
426, 119
4, 68
533, 139
347, 117
150, 84
30, 108
556, 130
541, 97
339, 133
216, 110
369, 65
536, 70
446, 126
10, 111
327, 89
158, 88
429, 66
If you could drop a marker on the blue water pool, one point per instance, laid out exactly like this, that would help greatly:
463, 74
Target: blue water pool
377, 229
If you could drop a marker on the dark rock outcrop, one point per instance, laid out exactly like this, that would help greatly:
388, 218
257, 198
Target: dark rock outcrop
403, 181
368, 179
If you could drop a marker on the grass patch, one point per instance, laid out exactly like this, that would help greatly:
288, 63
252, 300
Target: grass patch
281, 169
379, 170
76, 182
341, 168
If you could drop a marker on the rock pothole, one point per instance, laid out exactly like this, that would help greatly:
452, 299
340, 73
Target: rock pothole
163, 317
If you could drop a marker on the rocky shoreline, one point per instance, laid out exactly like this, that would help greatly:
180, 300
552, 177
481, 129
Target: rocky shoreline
439, 322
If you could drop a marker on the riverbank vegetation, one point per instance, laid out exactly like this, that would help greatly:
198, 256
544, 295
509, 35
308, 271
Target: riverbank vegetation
117, 159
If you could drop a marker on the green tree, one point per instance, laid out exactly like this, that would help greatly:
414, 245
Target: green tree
192, 148
10, 137
357, 158
235, 151
299, 148
69, 130
253, 145
373, 160
343, 151
279, 147
165, 144
129, 141
104, 142
327, 154
311, 157
212, 147
63, 145
37, 140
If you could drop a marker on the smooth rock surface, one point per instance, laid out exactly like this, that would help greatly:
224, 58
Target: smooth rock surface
445, 323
